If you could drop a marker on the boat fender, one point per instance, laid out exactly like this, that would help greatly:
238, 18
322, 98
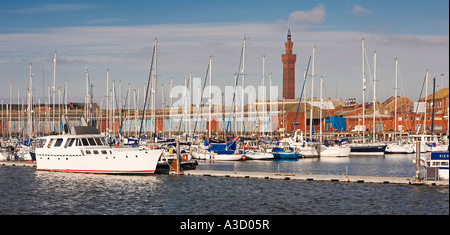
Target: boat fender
185, 157
285, 149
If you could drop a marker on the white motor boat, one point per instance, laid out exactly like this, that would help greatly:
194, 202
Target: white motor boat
210, 155
82, 149
252, 155
401, 148
334, 151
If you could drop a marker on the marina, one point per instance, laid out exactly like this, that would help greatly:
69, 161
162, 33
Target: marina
288, 109
306, 186
343, 178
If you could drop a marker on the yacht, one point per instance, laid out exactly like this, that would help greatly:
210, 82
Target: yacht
219, 151
439, 160
400, 147
83, 149
334, 148
302, 147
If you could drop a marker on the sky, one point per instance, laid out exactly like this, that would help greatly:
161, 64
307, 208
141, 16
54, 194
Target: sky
119, 36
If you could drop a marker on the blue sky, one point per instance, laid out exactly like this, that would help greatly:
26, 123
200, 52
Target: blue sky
401, 16
119, 35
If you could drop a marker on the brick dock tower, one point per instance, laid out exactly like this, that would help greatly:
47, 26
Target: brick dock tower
288, 60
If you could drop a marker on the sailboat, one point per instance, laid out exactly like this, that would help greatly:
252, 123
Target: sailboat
300, 145
367, 148
334, 148
220, 152
398, 146
330, 148
297, 142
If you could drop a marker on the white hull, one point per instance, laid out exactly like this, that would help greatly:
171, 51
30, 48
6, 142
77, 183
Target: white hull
335, 151
217, 157
307, 151
368, 153
303, 148
89, 153
118, 161
397, 148
438, 148
258, 156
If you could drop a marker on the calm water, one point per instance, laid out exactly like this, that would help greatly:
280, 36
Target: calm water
24, 190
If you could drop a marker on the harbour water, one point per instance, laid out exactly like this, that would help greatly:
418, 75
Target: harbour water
23, 190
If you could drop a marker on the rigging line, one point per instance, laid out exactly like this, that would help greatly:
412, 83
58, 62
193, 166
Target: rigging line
328, 107
403, 90
183, 105
146, 95
123, 113
417, 107
235, 89
301, 94
118, 115
200, 101
368, 66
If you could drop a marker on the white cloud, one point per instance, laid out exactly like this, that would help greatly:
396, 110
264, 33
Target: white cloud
185, 48
359, 10
314, 16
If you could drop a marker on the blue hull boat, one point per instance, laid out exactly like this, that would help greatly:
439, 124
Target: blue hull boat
284, 153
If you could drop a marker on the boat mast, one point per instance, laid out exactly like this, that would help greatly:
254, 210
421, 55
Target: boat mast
170, 105
374, 93
86, 97
395, 93
320, 108
426, 101
210, 101
53, 91
312, 95
363, 88
263, 129
30, 104
65, 97
189, 103
154, 91
432, 106
163, 103
243, 85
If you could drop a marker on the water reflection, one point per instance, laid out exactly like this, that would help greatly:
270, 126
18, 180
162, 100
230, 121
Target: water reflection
398, 165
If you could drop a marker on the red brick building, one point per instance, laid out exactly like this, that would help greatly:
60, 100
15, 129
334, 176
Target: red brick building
408, 119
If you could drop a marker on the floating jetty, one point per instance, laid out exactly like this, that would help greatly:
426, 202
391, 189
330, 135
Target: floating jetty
288, 176
315, 177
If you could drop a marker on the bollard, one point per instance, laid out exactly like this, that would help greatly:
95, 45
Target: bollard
178, 170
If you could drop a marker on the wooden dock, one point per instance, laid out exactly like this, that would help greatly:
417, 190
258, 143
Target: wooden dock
314, 177
287, 176
18, 163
